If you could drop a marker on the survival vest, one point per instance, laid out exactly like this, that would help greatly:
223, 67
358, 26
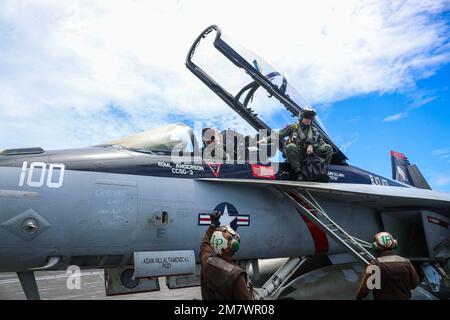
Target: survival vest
298, 136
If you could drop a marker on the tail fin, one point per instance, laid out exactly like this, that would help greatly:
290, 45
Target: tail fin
403, 171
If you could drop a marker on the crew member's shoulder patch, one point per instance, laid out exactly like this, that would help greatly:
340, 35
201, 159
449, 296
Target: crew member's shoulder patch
220, 263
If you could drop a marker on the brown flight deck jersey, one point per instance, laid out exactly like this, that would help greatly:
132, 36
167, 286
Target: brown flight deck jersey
220, 279
398, 278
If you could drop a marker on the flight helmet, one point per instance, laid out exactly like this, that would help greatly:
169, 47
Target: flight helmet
384, 241
225, 237
308, 113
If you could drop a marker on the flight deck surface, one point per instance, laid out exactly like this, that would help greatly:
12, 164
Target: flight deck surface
52, 286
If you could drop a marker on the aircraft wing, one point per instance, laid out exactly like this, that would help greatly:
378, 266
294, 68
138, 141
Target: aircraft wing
378, 196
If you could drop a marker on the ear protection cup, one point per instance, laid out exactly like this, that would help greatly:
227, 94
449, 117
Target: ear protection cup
374, 246
234, 244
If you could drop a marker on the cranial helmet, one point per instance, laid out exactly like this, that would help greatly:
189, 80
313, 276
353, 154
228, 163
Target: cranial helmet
223, 238
384, 241
308, 113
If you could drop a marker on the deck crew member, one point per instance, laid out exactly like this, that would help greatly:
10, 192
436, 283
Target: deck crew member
397, 275
220, 279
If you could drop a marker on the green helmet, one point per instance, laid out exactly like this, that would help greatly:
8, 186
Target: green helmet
308, 113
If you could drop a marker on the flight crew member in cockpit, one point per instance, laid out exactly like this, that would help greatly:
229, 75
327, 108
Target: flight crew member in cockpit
213, 149
304, 140
220, 279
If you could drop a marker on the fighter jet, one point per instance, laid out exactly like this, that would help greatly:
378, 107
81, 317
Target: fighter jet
129, 208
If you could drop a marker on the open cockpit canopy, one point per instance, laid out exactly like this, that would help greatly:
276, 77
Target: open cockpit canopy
250, 99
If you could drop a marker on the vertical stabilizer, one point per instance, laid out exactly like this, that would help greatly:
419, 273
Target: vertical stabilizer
403, 171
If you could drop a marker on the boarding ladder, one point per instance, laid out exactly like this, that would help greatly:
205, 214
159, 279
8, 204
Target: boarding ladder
306, 204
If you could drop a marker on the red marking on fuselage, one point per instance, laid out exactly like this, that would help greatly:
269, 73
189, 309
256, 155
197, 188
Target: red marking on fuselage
319, 236
260, 171
215, 170
437, 221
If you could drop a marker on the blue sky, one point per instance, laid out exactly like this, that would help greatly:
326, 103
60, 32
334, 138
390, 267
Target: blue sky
359, 126
78, 73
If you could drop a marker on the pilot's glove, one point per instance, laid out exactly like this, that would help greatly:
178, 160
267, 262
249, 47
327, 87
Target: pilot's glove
215, 218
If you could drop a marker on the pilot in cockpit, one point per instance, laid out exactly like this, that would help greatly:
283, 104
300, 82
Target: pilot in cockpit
213, 149
304, 140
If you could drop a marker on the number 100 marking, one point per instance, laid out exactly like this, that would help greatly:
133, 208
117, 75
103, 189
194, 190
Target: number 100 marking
48, 177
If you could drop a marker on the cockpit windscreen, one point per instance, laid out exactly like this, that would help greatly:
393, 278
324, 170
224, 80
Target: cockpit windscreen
253, 88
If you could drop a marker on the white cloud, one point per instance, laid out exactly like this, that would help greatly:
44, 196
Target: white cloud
64, 64
395, 117
441, 154
351, 141
354, 119
441, 179
421, 102
416, 98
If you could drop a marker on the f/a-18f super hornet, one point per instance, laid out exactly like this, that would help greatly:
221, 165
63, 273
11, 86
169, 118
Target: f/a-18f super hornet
127, 207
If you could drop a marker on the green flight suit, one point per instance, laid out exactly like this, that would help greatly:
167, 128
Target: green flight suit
300, 136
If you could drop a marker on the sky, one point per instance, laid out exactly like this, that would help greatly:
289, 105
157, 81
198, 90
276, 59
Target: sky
79, 73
